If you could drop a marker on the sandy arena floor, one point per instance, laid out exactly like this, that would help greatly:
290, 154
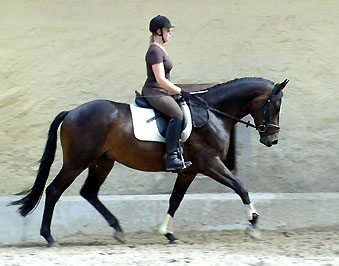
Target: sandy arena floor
301, 247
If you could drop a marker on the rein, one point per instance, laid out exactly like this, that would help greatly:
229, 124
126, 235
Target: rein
248, 123
204, 104
262, 128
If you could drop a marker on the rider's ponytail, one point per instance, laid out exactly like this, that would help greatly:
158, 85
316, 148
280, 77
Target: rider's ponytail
152, 39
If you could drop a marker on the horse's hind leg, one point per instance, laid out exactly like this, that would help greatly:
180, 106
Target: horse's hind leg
53, 192
97, 174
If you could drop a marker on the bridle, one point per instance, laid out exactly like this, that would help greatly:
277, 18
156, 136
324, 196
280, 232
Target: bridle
262, 128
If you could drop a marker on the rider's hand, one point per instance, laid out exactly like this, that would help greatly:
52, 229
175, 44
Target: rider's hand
185, 94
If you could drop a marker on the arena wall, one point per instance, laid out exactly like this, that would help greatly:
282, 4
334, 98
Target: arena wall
56, 55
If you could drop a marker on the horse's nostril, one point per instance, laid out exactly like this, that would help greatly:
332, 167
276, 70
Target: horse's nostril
275, 142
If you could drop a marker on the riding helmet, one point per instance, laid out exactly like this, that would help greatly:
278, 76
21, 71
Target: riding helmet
159, 22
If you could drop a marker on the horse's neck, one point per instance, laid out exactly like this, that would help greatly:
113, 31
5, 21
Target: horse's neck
234, 101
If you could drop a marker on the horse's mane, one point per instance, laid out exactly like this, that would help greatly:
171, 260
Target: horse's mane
238, 81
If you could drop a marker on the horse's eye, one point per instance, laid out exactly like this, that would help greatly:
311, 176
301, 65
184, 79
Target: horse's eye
277, 106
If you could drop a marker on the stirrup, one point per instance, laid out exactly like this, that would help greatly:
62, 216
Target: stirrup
180, 153
175, 161
187, 164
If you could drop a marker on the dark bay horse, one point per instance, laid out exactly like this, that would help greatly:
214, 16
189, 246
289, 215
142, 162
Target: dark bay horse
98, 133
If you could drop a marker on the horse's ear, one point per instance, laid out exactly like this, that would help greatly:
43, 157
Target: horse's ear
280, 86
283, 84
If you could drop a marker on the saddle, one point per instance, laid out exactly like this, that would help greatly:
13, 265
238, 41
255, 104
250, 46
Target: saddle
150, 125
160, 119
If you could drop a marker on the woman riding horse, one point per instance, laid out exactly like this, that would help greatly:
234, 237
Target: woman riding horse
98, 133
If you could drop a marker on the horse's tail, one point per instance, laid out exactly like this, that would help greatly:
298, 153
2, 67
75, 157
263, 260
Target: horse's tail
32, 199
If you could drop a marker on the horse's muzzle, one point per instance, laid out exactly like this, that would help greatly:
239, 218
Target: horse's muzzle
269, 140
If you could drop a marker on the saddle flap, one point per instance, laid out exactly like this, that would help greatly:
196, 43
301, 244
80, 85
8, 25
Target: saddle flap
199, 111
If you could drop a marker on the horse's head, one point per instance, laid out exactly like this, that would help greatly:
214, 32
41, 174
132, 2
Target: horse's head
265, 111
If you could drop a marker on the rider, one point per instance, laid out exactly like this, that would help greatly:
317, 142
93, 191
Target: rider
158, 88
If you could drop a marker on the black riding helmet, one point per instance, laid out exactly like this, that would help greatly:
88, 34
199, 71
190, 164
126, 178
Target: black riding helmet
159, 22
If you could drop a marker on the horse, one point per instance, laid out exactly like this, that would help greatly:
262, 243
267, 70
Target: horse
96, 134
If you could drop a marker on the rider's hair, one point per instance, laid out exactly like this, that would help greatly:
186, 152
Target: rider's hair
152, 38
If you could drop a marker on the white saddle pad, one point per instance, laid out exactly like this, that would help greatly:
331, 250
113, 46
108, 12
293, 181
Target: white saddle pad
148, 131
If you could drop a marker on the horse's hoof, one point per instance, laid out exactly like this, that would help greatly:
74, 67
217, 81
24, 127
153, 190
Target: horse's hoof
254, 233
53, 245
120, 236
254, 220
175, 242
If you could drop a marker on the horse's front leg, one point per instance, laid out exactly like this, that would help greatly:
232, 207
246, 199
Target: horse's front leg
217, 171
181, 185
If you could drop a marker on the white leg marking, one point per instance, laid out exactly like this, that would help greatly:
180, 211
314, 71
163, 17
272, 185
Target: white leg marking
167, 225
250, 210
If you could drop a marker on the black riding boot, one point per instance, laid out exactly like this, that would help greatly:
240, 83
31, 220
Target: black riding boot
172, 139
